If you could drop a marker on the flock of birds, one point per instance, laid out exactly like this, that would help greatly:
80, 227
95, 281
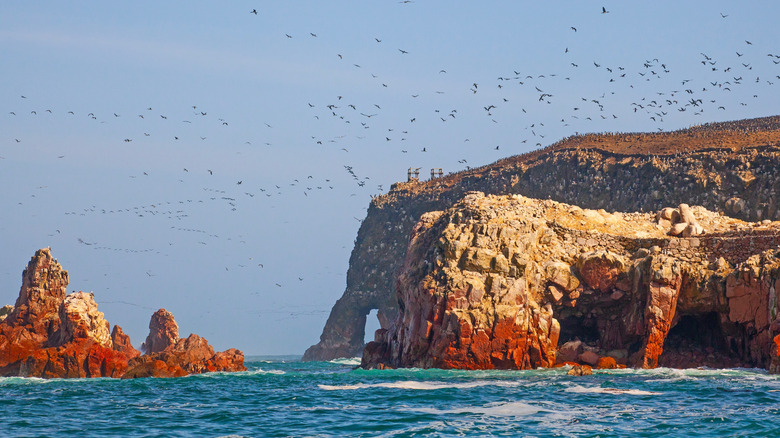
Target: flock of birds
346, 121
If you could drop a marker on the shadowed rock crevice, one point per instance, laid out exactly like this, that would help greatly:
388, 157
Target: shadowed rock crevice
698, 340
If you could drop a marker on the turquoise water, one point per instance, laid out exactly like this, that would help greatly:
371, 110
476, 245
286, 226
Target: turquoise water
291, 398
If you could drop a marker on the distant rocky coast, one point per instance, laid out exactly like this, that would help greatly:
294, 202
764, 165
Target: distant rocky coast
51, 334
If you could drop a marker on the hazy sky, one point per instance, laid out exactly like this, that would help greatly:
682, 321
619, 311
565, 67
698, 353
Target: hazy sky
198, 157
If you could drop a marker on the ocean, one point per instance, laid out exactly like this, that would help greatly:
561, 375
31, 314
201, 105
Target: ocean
280, 397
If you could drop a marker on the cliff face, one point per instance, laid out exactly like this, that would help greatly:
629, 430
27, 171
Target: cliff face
498, 281
53, 335
731, 167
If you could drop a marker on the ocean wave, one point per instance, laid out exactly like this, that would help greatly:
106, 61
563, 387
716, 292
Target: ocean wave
346, 361
18, 380
691, 374
418, 385
498, 409
260, 371
22, 380
600, 390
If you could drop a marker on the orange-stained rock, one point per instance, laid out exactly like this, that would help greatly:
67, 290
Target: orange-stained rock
495, 281
149, 366
50, 334
191, 355
122, 343
774, 367
463, 310
580, 370
607, 363
777, 345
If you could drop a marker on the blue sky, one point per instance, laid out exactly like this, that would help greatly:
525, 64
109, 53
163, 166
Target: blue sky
121, 98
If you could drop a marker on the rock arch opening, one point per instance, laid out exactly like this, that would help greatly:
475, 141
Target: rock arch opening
696, 340
372, 325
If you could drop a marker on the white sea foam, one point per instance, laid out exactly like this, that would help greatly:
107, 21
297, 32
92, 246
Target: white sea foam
600, 390
262, 371
16, 380
423, 385
510, 409
346, 361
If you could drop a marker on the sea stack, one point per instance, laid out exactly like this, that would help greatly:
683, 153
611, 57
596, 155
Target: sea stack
51, 334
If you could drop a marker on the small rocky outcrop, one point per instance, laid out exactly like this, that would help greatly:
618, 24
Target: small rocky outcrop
167, 355
51, 334
163, 332
498, 281
580, 370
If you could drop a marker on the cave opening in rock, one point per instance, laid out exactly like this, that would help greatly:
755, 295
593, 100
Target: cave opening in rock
695, 338
579, 327
372, 325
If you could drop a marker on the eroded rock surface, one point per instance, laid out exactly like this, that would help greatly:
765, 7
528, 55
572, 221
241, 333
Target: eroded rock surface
163, 332
733, 167
51, 334
167, 355
499, 281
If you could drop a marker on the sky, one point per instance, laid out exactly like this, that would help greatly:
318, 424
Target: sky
217, 163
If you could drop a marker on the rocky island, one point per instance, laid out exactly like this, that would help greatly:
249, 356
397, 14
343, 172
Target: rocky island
51, 334
712, 301
502, 281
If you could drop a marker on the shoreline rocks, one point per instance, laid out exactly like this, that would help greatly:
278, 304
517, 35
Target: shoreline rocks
52, 334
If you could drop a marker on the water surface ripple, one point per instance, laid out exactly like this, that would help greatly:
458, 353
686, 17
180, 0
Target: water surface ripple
291, 398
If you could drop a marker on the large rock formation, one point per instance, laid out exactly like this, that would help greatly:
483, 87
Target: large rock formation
498, 281
50, 334
732, 167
